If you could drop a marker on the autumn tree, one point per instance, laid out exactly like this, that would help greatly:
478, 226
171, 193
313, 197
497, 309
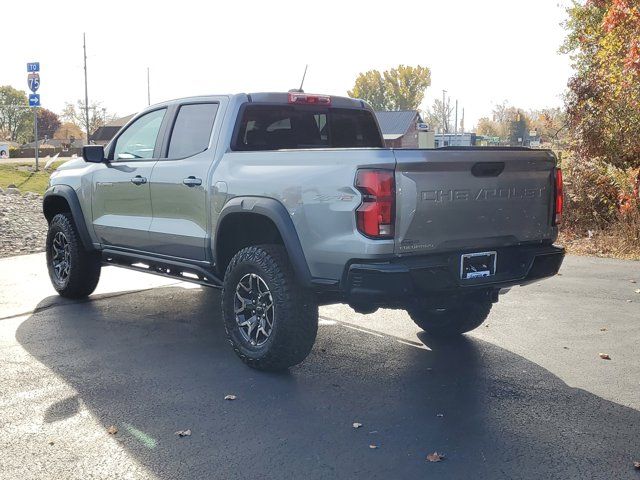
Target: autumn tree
518, 128
487, 127
440, 116
69, 132
75, 113
400, 88
603, 102
48, 123
550, 125
16, 118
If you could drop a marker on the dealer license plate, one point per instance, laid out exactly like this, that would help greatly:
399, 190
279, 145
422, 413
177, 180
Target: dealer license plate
478, 265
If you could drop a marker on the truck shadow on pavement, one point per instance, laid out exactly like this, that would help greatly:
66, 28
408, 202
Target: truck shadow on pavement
157, 361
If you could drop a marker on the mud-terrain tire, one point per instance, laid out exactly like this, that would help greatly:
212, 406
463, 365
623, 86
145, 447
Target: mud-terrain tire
73, 270
455, 320
270, 319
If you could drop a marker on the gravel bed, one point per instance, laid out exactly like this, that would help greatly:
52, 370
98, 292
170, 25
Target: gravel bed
23, 228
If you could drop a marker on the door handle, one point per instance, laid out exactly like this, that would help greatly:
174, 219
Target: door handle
138, 180
192, 181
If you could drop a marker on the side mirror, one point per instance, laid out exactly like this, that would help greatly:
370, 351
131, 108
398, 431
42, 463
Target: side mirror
93, 153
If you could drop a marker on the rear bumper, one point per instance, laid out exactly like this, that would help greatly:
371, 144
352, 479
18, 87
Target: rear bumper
384, 283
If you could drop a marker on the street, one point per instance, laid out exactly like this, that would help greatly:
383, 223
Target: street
525, 396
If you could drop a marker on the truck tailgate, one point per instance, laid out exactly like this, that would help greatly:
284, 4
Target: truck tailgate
472, 198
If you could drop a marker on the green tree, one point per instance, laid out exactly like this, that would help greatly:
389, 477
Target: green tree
370, 87
400, 88
16, 119
603, 101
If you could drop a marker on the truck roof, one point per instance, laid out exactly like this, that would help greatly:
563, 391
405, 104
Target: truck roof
269, 97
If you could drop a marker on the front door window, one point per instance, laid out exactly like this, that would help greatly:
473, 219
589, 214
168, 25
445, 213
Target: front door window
139, 139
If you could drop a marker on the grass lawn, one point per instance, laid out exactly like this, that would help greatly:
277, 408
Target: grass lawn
23, 176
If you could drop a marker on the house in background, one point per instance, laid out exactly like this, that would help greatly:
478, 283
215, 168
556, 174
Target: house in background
404, 129
104, 134
54, 143
460, 139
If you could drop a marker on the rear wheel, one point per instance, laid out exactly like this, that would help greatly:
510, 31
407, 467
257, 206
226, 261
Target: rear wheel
73, 270
452, 320
270, 320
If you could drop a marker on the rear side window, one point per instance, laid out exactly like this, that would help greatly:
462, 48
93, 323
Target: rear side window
192, 130
267, 127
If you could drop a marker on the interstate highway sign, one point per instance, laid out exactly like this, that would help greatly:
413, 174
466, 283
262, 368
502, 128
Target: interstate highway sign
33, 67
34, 100
33, 79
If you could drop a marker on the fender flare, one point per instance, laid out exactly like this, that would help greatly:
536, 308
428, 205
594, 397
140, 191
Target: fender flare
69, 194
278, 214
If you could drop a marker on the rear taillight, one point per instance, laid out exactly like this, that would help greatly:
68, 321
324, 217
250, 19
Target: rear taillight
559, 199
307, 99
376, 214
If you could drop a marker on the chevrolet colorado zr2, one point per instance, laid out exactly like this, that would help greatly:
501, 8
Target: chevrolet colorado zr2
287, 201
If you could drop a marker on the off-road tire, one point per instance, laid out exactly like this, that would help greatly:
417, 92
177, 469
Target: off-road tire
84, 265
295, 319
455, 320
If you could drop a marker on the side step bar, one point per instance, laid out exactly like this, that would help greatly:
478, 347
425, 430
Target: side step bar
159, 266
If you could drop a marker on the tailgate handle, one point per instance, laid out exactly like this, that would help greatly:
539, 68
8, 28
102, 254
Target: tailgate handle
487, 169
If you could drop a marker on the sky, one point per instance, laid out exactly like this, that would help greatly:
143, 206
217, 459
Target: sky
481, 52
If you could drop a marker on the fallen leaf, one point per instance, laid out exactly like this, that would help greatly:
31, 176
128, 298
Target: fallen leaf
356, 425
373, 447
184, 433
566, 348
230, 397
603, 329
51, 442
604, 356
112, 430
629, 301
636, 465
633, 281
435, 457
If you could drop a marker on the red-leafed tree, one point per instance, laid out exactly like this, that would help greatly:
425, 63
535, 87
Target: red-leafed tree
48, 123
603, 102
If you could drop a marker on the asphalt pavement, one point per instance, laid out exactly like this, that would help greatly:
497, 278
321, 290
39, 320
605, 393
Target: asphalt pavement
526, 396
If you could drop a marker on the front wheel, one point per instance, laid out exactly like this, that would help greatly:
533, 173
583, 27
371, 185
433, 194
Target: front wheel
73, 270
270, 320
453, 320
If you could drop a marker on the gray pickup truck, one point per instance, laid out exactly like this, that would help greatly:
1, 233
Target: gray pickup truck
287, 201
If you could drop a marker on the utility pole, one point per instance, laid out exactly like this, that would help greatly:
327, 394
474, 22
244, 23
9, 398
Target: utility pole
444, 114
455, 129
86, 88
148, 88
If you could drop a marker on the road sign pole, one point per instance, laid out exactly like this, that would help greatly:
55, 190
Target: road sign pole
35, 129
33, 80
